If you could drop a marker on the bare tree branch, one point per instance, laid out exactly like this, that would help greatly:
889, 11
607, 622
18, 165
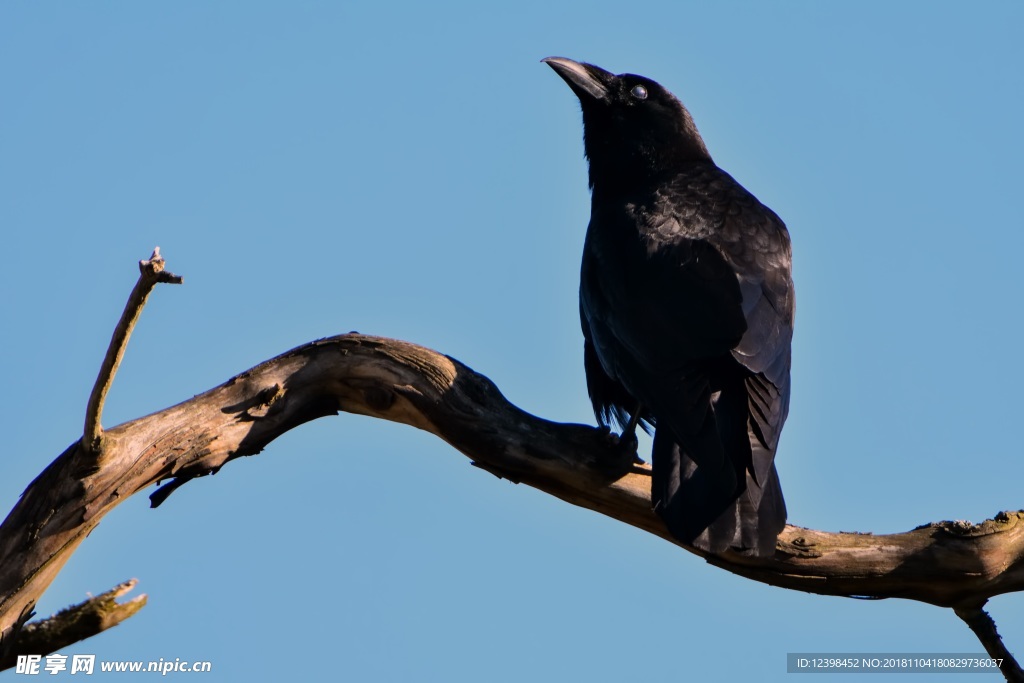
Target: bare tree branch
944, 563
950, 564
151, 272
74, 624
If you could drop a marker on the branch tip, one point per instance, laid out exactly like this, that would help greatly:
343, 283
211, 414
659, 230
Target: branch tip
74, 624
981, 623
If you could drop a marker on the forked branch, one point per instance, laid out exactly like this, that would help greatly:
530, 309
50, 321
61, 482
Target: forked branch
74, 624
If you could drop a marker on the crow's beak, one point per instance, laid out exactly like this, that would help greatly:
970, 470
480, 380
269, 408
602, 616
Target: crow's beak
589, 82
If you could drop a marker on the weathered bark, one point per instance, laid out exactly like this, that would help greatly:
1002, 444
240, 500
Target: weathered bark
947, 564
74, 624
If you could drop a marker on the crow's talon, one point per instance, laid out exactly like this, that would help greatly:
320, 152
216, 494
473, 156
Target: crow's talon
627, 442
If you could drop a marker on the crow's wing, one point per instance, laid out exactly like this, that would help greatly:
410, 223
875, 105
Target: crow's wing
654, 318
755, 242
672, 287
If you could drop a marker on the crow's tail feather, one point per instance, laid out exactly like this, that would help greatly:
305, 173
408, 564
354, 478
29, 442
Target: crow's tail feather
715, 511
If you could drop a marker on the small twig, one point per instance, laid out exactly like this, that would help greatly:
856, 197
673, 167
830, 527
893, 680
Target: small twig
74, 624
151, 272
981, 623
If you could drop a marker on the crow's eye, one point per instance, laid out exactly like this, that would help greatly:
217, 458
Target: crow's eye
639, 92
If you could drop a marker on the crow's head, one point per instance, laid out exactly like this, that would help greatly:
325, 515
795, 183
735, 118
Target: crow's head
633, 128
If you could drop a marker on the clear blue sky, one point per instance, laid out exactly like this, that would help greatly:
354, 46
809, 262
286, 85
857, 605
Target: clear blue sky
412, 170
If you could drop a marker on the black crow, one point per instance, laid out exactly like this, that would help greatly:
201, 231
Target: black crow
686, 303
